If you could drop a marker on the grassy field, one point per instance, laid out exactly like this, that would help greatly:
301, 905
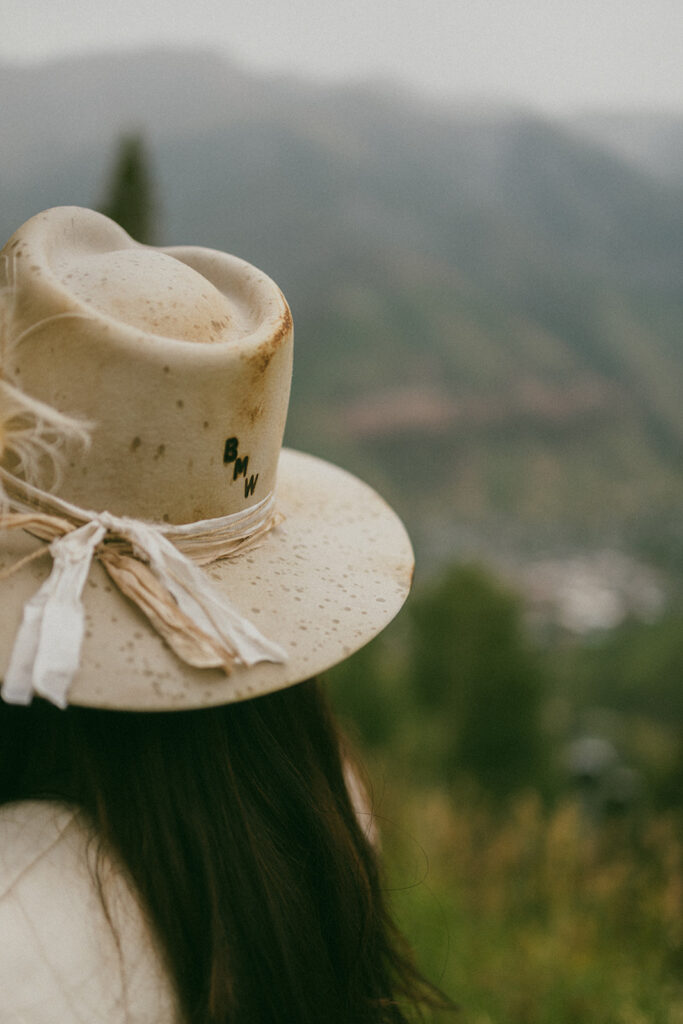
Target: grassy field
531, 916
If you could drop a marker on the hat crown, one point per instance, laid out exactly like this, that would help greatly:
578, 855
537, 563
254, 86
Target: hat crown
150, 290
179, 358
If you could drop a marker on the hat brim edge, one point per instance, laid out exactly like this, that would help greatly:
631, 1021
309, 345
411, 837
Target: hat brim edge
322, 584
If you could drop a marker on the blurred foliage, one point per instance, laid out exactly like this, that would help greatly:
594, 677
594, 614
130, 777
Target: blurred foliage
475, 676
459, 673
530, 916
629, 681
636, 667
531, 896
129, 198
459, 687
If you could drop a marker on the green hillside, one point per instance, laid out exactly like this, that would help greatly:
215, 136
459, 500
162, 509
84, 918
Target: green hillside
488, 306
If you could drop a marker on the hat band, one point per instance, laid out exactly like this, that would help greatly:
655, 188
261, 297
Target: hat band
157, 566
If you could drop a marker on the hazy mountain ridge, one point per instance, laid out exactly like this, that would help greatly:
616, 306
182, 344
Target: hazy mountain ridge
652, 141
488, 305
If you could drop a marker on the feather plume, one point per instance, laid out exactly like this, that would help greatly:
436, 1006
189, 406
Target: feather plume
33, 435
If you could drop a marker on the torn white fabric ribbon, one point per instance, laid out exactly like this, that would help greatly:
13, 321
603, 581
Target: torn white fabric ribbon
199, 624
47, 648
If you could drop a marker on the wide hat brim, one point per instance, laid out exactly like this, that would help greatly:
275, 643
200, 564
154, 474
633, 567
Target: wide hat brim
322, 584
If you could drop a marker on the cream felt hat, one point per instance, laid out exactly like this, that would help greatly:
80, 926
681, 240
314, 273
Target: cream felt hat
159, 549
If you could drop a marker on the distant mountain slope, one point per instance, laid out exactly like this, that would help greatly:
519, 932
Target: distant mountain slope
488, 306
653, 142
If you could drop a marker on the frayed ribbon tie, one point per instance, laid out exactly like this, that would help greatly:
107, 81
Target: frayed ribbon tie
201, 626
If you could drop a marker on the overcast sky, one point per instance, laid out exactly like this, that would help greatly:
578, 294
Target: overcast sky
558, 55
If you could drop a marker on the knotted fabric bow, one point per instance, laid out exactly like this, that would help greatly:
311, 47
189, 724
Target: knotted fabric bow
157, 567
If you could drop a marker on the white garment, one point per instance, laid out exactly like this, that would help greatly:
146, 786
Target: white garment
61, 960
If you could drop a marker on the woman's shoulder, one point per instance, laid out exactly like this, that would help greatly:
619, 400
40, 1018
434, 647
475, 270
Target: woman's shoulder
32, 838
74, 942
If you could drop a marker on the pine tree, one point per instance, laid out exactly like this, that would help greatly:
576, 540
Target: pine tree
130, 200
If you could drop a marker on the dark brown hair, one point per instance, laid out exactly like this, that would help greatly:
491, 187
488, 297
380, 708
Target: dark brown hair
236, 826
